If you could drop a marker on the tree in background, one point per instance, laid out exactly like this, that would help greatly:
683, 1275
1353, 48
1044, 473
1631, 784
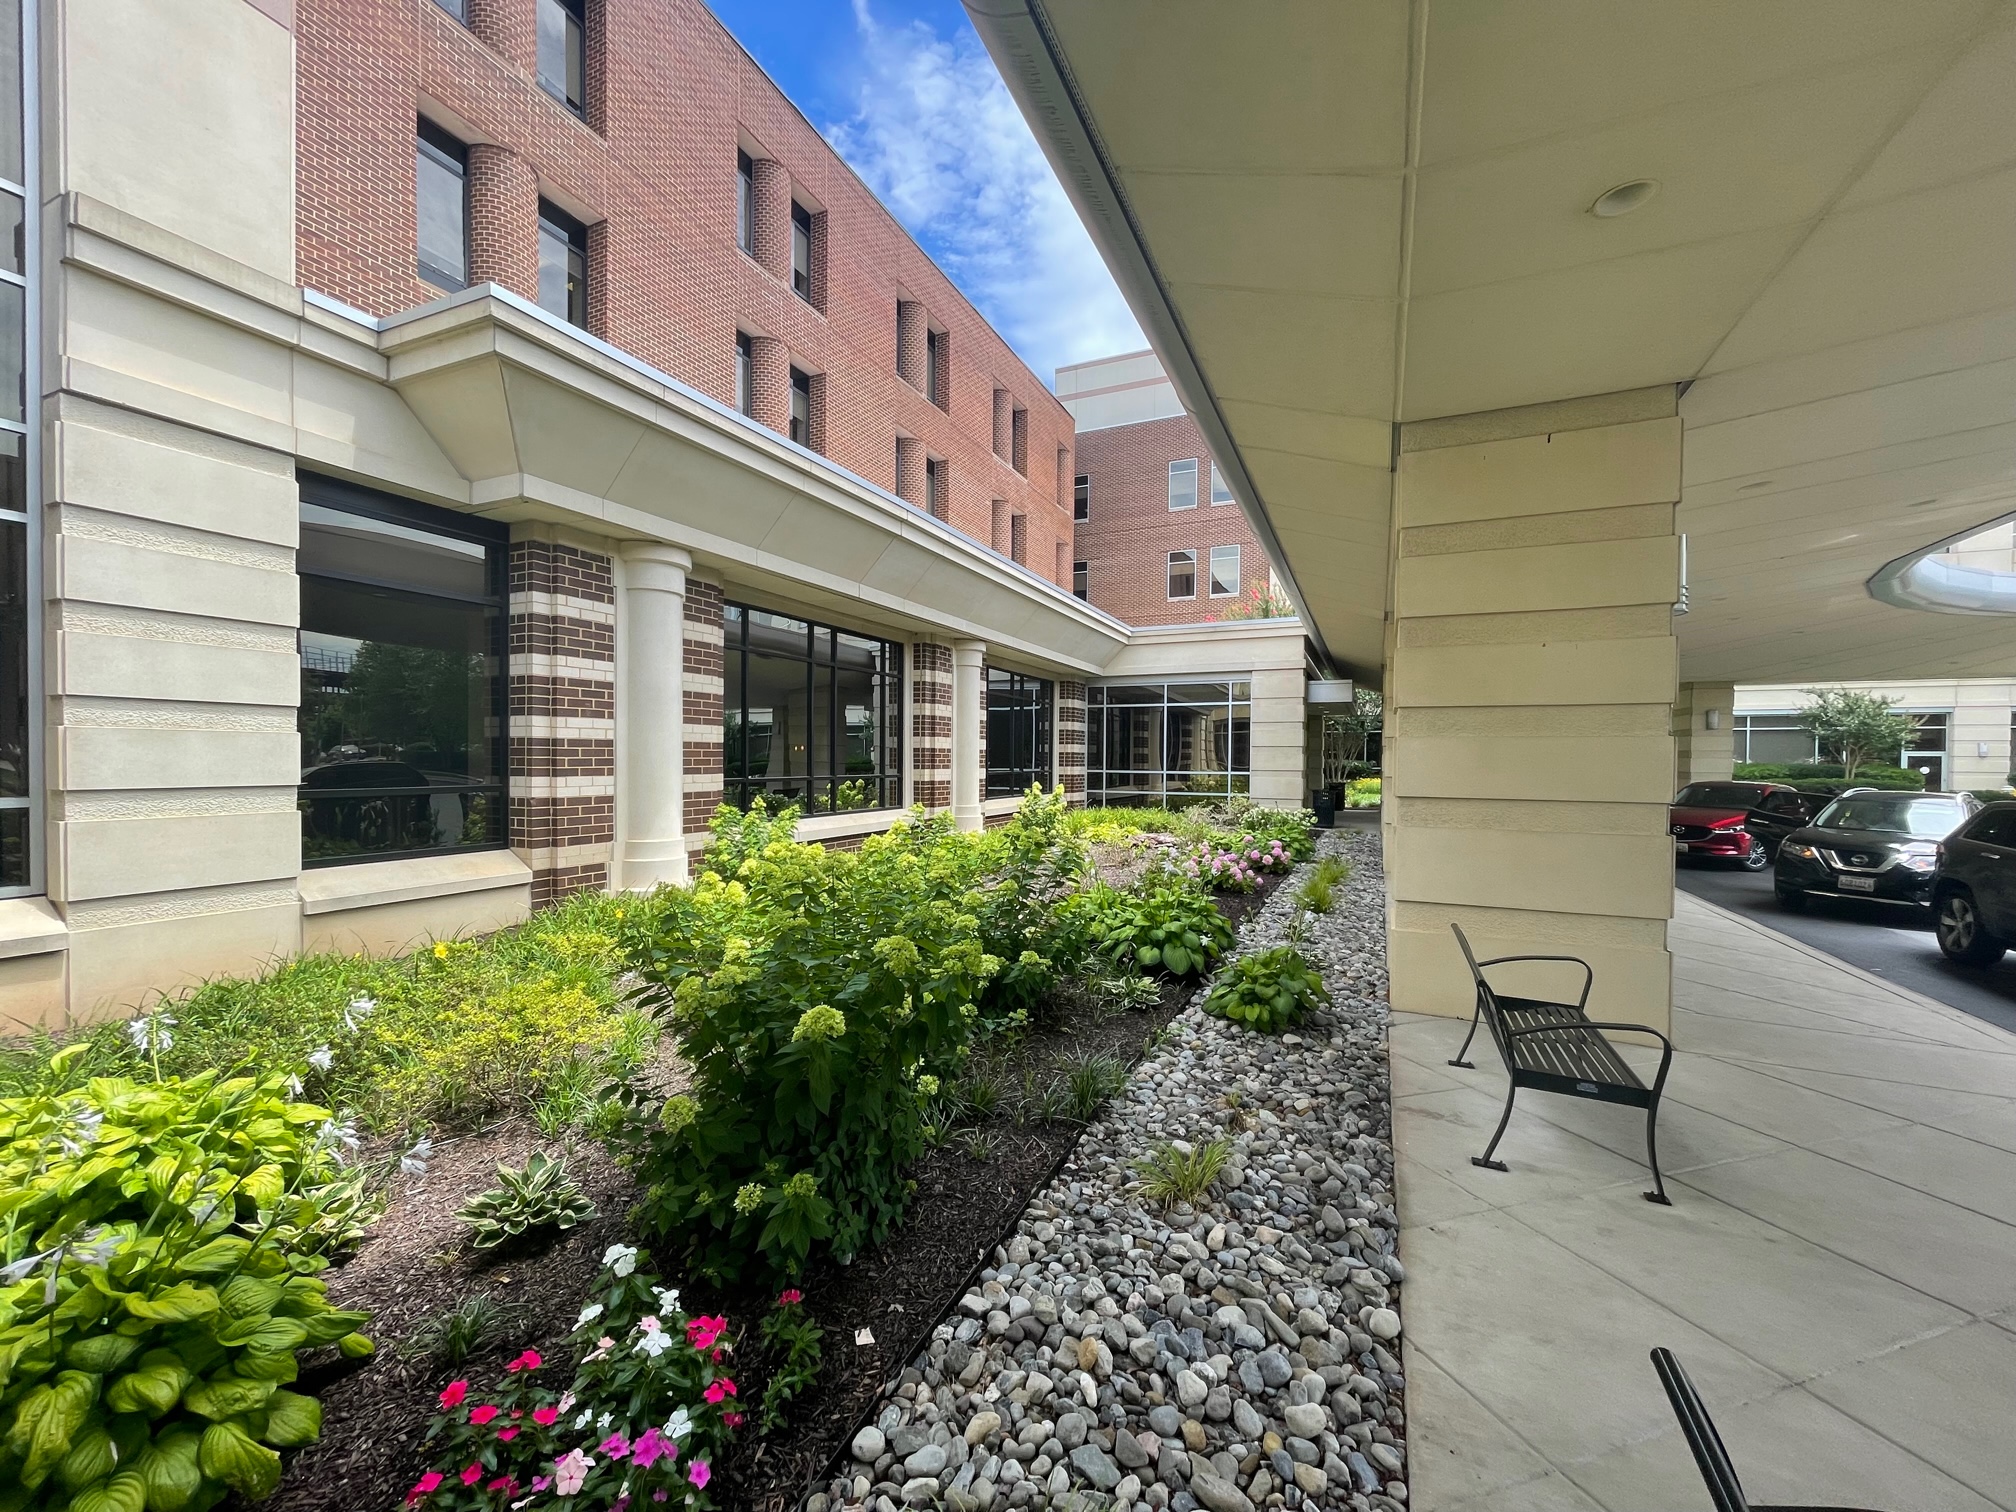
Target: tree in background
1855, 728
1347, 736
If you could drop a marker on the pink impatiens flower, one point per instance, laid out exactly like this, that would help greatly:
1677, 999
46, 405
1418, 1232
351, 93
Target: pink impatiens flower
529, 1360
649, 1449
616, 1445
481, 1415
721, 1388
541, 1482
452, 1397
732, 1419
699, 1474
702, 1332
507, 1434
545, 1417
791, 1298
425, 1484
472, 1475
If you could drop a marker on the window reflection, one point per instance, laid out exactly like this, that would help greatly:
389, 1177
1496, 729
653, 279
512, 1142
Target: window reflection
402, 715
1167, 742
1018, 732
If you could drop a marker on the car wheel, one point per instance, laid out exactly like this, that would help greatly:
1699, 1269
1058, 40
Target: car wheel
1792, 900
1961, 934
1756, 859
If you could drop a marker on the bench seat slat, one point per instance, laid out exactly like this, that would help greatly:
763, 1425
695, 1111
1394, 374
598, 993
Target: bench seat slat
1574, 1052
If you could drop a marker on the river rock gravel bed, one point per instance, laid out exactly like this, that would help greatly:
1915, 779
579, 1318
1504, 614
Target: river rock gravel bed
1235, 1356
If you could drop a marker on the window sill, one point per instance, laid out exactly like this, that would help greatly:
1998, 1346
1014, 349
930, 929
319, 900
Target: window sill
860, 822
373, 884
29, 926
992, 806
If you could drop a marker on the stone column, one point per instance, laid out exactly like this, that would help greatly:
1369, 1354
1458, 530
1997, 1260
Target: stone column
1704, 733
969, 705
931, 725
1529, 749
503, 220
651, 764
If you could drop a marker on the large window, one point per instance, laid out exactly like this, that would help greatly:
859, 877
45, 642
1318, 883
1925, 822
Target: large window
402, 677
1182, 574
1018, 733
563, 265
745, 202
1183, 483
812, 715
563, 53
1167, 742
441, 198
1774, 737
937, 490
1224, 571
19, 764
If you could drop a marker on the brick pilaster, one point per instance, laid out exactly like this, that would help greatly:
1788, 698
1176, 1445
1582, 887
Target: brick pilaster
773, 216
931, 725
703, 693
770, 384
503, 220
563, 715
911, 331
509, 28
910, 471
1071, 740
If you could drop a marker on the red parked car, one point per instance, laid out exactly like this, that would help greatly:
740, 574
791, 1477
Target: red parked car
1707, 820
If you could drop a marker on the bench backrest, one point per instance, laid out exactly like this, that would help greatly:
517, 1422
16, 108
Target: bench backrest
1719, 1475
1487, 1000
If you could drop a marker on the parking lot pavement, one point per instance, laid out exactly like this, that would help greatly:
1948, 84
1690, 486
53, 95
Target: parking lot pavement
1885, 940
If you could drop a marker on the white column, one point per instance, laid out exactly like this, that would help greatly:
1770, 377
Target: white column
651, 744
968, 709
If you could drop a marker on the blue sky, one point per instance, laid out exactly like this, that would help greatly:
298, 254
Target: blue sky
906, 92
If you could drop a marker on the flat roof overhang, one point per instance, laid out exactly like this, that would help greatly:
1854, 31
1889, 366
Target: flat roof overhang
1336, 216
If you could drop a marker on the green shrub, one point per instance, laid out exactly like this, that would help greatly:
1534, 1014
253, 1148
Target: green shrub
1181, 1173
541, 1195
819, 997
1025, 872
1993, 795
1820, 776
1168, 927
1362, 792
1266, 990
160, 1251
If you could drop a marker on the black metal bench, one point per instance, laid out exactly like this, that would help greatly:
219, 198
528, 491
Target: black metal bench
1556, 1047
1724, 1489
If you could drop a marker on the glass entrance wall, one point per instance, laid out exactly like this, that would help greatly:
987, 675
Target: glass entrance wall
812, 714
402, 677
1018, 732
1167, 742
20, 661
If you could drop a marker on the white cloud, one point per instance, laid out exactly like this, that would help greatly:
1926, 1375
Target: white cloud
936, 135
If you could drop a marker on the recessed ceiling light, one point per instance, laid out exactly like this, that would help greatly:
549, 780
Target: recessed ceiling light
1624, 198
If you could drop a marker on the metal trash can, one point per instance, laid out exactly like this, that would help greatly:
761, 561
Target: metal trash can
1325, 807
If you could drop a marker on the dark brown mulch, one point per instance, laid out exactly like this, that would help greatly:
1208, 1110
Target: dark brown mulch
415, 1265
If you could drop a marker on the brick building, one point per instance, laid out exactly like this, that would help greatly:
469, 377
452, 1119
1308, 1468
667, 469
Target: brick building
1160, 538
710, 225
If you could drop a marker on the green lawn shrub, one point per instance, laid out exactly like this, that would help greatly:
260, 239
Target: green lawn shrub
158, 1269
1362, 792
1820, 776
1169, 926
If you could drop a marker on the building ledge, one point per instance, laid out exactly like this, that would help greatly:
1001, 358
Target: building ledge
372, 884
839, 826
989, 807
29, 926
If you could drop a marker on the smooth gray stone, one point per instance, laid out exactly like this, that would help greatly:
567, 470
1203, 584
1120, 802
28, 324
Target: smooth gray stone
1092, 1462
869, 1444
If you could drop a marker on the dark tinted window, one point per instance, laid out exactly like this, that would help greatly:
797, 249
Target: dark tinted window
801, 251
402, 688
1729, 795
563, 265
1995, 827
745, 202
563, 69
1783, 803
441, 199
1018, 732
1924, 818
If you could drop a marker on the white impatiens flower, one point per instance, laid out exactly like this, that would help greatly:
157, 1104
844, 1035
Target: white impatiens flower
668, 1298
654, 1343
620, 1258
678, 1425
588, 1315
322, 1058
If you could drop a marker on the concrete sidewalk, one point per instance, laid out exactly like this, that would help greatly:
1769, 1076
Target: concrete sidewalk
1837, 1273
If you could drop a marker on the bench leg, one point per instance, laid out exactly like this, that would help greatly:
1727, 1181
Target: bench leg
1485, 1159
1658, 1194
1462, 1056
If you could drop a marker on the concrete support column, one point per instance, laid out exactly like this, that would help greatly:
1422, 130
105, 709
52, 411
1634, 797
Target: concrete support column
969, 711
1528, 747
651, 763
503, 220
1704, 733
769, 382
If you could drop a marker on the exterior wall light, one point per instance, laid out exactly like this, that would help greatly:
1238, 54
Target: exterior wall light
1714, 719
1622, 199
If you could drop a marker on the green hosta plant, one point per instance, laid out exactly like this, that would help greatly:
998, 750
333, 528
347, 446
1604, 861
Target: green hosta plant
1168, 927
1267, 990
158, 1250
542, 1195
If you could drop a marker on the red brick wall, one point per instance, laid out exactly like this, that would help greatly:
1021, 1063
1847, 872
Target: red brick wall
703, 692
1127, 540
654, 178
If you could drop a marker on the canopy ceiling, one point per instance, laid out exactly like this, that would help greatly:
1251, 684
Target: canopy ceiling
1335, 215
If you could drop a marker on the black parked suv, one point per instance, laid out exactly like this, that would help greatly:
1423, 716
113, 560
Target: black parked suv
1870, 844
1780, 812
1974, 889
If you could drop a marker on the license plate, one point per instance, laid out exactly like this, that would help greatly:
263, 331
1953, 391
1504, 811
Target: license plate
1856, 884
